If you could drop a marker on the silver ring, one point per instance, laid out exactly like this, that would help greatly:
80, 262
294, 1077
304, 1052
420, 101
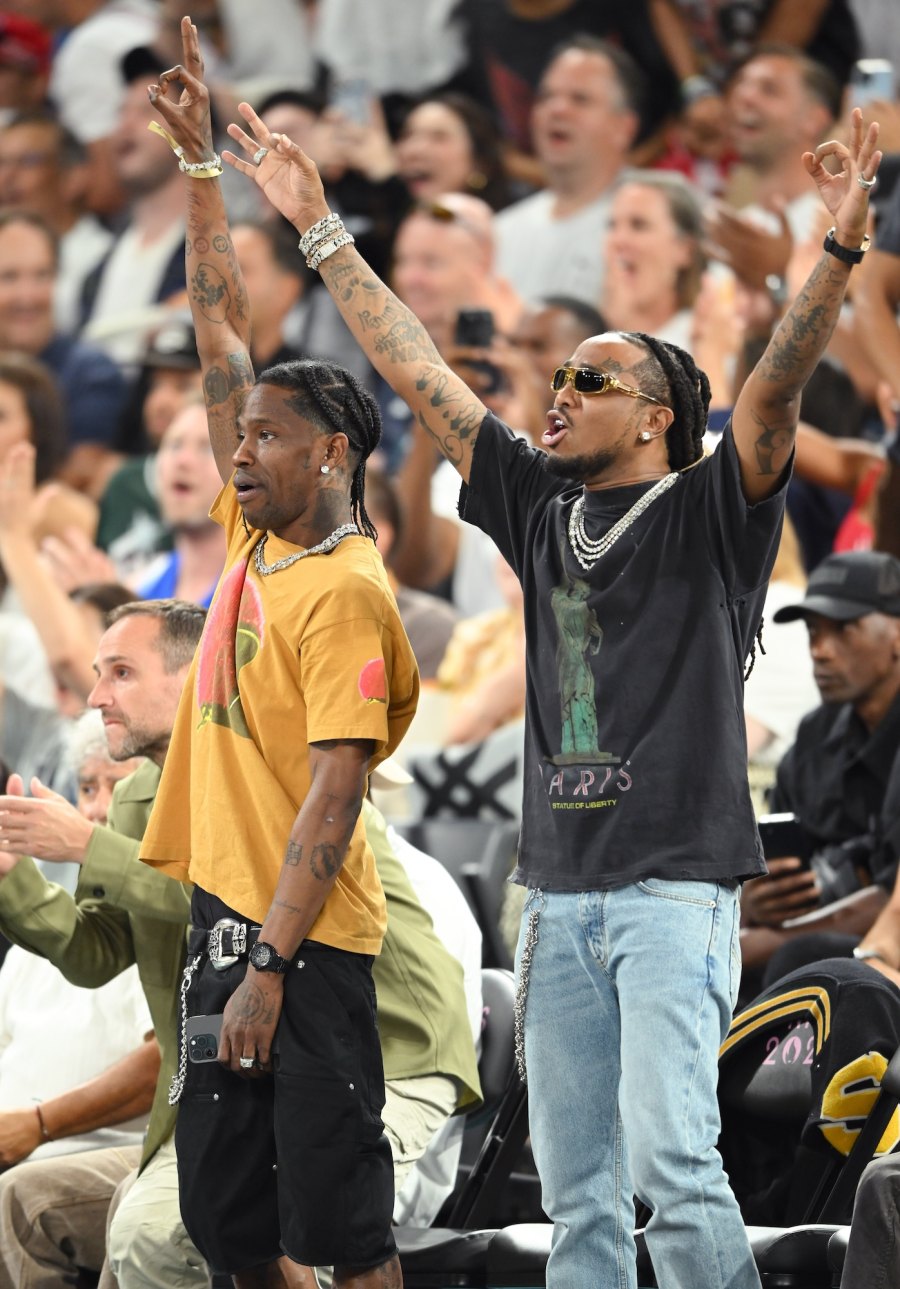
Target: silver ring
259, 154
865, 183
248, 1062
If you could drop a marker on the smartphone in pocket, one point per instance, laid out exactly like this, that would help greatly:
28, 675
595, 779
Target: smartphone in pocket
202, 1034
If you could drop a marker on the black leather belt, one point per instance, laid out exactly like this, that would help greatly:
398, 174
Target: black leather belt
227, 942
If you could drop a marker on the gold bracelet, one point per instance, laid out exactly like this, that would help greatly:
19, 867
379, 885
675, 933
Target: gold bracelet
44, 1133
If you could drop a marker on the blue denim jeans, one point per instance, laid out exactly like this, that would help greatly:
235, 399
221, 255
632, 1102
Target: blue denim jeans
630, 994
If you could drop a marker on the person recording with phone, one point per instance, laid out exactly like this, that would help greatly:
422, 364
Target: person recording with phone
835, 776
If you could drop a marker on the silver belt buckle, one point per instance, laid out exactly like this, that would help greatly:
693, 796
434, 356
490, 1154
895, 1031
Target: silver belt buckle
217, 957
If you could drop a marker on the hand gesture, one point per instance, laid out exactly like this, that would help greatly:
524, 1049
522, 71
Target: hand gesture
187, 119
846, 194
44, 825
284, 172
75, 561
753, 253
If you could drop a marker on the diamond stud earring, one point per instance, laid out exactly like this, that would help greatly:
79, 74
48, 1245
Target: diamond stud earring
325, 469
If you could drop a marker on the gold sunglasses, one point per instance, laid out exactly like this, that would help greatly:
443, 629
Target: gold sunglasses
587, 382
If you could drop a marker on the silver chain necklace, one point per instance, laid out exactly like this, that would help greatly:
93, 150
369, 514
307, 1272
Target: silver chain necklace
585, 549
324, 548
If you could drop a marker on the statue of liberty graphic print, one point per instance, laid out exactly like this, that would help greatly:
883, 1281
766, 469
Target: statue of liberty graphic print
579, 638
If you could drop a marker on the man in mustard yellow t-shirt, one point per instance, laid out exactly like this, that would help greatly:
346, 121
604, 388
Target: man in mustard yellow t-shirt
304, 680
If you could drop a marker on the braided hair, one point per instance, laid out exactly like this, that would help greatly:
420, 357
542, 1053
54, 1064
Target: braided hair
337, 403
671, 375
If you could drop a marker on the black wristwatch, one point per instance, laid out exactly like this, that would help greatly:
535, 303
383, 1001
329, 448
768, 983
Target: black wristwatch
844, 253
264, 958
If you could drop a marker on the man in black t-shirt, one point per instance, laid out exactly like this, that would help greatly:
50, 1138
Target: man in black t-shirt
644, 566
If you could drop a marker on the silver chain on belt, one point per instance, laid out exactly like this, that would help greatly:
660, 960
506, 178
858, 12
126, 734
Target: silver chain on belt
176, 1087
528, 947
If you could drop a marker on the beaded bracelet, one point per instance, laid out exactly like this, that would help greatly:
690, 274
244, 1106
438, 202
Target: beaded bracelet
328, 226
324, 249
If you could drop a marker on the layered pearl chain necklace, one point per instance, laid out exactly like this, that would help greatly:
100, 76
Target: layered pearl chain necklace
323, 548
585, 549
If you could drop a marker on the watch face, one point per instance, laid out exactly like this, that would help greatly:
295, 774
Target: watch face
264, 958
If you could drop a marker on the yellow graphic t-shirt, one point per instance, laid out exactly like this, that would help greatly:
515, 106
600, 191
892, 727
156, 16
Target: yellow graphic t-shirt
312, 652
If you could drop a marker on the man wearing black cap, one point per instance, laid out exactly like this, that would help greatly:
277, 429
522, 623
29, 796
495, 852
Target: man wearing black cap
835, 776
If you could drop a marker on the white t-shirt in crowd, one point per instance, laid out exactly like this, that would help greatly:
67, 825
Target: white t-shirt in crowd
544, 256
780, 690
55, 1035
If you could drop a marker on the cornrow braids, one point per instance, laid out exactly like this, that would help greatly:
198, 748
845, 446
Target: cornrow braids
671, 375
337, 403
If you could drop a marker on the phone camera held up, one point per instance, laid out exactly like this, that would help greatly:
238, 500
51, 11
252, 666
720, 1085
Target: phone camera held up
872, 80
475, 330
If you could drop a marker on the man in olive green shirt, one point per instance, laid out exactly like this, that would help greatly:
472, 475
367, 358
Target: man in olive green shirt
125, 912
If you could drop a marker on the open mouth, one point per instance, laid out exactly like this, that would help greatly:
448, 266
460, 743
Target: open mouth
245, 490
556, 430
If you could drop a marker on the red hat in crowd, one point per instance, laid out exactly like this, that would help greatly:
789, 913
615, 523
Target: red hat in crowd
24, 44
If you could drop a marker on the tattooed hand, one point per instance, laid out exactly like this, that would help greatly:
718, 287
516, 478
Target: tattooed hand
187, 119
846, 199
249, 1022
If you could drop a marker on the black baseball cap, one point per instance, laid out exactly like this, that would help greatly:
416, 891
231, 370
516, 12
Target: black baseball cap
174, 345
142, 63
848, 586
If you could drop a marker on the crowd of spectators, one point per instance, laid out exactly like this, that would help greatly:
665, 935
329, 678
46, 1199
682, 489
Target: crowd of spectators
525, 173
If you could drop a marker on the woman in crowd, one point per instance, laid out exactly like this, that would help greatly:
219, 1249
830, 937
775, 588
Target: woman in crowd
449, 143
654, 256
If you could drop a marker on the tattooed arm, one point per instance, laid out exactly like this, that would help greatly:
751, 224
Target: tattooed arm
768, 406
313, 857
392, 337
215, 285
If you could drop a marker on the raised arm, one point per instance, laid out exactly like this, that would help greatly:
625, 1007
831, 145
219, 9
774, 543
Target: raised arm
215, 285
768, 406
391, 336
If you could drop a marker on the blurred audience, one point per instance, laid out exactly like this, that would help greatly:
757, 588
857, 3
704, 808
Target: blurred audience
145, 265
86, 83
584, 124
428, 620
483, 669
654, 256
25, 59
91, 384
450, 144
44, 172
188, 484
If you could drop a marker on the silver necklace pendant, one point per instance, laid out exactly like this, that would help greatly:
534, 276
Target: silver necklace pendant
323, 548
587, 550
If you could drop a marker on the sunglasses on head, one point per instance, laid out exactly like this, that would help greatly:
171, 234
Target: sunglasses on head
588, 382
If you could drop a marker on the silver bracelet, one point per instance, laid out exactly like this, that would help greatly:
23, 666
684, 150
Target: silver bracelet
324, 249
203, 169
328, 226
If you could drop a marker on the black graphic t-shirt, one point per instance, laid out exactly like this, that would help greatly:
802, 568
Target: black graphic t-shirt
635, 747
